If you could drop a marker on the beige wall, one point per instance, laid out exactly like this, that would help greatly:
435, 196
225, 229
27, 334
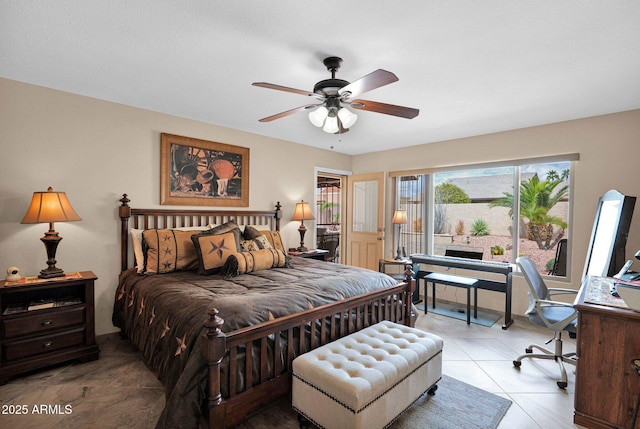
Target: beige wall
609, 148
95, 151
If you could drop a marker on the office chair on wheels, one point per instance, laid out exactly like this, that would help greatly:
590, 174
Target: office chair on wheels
556, 316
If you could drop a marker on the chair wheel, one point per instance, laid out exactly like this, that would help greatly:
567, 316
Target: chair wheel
432, 390
562, 384
528, 350
517, 363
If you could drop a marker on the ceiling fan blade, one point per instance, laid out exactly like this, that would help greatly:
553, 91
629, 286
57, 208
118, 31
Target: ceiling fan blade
288, 112
371, 81
387, 109
286, 89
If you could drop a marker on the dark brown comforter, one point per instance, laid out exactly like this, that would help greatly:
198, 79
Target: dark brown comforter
163, 315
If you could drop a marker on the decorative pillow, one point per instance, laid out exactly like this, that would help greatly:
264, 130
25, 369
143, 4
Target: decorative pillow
213, 250
136, 244
257, 243
275, 240
252, 231
247, 262
168, 250
230, 226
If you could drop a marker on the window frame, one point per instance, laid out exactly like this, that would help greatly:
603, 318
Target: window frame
428, 191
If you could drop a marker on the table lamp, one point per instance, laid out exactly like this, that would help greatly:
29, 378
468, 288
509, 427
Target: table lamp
50, 207
399, 218
302, 213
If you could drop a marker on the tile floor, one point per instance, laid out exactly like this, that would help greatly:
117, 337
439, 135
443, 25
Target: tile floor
484, 357
118, 391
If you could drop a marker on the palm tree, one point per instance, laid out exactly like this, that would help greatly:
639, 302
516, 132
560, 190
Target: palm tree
536, 199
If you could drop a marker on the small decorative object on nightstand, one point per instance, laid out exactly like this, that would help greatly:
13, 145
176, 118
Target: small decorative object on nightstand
49, 207
13, 274
302, 213
45, 322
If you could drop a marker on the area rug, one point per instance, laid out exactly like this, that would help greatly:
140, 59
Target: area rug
456, 405
458, 311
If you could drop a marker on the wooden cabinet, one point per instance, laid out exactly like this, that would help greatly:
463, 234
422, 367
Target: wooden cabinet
46, 322
607, 386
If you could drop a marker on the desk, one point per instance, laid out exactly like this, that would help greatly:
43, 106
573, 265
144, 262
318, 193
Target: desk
608, 339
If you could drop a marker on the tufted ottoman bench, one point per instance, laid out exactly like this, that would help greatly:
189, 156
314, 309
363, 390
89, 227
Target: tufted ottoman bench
368, 378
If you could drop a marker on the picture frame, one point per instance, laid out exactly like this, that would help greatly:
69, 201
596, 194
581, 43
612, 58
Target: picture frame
197, 172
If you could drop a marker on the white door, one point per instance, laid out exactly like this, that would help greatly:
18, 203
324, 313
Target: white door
365, 220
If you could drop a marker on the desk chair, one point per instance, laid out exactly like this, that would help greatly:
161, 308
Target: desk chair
554, 315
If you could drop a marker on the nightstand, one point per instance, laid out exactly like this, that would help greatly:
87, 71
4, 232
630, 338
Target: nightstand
398, 273
319, 254
45, 322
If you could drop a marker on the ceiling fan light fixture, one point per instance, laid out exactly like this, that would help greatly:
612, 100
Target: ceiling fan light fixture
331, 125
347, 117
318, 116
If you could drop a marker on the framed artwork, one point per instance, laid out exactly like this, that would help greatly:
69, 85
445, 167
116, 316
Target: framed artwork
197, 172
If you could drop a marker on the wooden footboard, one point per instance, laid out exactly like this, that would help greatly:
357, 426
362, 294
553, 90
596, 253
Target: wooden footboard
303, 332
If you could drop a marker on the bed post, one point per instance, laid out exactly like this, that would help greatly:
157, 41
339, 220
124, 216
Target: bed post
278, 215
214, 348
410, 318
125, 214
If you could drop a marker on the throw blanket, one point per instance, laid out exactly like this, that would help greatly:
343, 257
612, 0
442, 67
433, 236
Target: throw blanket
163, 315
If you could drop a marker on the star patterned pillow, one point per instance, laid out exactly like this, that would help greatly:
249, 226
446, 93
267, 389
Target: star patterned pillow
213, 250
168, 250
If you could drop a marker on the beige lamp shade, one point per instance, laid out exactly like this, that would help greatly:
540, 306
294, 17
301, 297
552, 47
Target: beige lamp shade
49, 207
302, 212
399, 217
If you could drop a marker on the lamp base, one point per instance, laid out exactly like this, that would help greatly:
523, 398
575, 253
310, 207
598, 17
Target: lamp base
302, 247
49, 273
51, 240
398, 255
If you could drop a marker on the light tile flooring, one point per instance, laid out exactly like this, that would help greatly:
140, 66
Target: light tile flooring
118, 391
484, 357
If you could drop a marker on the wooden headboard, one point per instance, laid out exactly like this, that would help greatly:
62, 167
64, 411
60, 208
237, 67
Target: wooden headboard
175, 218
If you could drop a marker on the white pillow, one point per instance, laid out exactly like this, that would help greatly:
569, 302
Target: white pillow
136, 242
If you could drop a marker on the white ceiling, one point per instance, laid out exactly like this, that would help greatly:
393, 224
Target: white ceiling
471, 67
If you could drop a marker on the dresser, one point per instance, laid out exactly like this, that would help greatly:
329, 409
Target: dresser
608, 340
46, 322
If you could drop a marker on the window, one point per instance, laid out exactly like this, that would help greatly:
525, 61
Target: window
476, 208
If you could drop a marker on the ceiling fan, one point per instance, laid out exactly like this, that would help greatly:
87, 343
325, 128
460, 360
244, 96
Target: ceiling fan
333, 94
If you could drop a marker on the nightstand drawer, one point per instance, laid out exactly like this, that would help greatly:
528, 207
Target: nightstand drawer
42, 344
42, 321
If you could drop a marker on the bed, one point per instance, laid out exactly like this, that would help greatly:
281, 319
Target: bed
222, 344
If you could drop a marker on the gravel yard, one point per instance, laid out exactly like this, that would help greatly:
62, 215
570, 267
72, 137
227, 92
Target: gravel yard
526, 247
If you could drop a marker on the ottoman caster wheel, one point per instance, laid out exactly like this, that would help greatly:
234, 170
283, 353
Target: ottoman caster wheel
432, 390
303, 422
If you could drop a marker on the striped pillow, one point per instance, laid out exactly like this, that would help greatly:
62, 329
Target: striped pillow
247, 262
